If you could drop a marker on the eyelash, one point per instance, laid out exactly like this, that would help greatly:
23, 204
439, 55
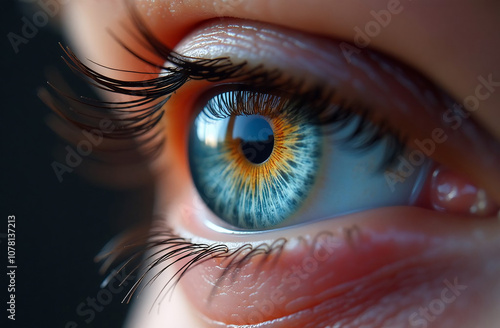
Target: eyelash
168, 249
134, 118
137, 117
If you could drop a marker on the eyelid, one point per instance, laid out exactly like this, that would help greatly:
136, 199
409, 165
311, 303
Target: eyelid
394, 92
454, 64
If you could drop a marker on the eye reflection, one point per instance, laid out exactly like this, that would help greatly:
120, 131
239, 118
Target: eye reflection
255, 135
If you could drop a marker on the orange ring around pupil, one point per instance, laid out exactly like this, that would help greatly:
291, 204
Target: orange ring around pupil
253, 174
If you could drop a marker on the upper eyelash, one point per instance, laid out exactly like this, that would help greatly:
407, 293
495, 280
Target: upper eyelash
136, 117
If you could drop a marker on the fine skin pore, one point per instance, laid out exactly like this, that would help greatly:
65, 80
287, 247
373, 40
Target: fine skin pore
435, 248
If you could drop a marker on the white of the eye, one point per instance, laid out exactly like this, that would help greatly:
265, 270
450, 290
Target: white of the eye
351, 181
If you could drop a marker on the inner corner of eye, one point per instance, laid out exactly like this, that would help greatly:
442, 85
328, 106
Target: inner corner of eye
260, 162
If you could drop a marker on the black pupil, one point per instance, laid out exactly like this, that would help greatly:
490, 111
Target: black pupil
256, 137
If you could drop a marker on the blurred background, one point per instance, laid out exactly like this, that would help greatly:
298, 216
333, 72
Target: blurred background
60, 226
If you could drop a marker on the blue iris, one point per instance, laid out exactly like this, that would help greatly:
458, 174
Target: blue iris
254, 171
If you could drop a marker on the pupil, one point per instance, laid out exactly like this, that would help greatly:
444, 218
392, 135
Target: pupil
256, 137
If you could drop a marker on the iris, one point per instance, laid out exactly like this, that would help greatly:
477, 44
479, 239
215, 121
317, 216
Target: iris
253, 170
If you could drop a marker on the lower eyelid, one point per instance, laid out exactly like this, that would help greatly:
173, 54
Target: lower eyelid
382, 254
365, 249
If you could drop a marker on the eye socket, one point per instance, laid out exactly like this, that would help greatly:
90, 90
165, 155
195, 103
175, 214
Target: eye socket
266, 160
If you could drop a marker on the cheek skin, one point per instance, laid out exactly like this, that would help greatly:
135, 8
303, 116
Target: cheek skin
148, 312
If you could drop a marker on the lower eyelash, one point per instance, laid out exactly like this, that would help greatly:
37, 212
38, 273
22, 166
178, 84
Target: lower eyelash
168, 249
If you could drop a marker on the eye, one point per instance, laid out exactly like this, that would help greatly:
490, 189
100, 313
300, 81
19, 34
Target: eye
358, 261
262, 160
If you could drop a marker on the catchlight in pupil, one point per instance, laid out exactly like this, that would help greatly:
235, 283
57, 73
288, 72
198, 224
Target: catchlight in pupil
256, 137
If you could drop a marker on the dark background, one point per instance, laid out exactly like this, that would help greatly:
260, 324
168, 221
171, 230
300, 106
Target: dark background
60, 227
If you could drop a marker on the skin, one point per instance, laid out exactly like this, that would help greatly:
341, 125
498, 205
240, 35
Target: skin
414, 253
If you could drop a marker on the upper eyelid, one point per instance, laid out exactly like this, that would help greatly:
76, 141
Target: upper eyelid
480, 151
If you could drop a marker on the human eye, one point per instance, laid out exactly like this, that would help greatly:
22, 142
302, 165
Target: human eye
297, 258
271, 150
